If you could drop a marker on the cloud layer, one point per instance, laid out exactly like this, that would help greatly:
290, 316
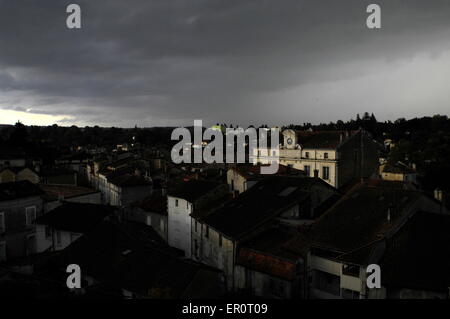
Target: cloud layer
159, 62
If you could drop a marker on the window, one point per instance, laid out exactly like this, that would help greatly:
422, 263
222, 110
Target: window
2, 251
325, 155
259, 153
58, 237
326, 173
307, 169
30, 215
48, 232
176, 202
307, 154
220, 240
2, 222
207, 232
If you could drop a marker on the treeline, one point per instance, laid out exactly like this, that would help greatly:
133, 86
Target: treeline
423, 141
50, 142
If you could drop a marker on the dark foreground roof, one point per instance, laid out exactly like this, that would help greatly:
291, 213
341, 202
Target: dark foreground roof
17, 190
263, 201
76, 217
418, 256
129, 256
355, 223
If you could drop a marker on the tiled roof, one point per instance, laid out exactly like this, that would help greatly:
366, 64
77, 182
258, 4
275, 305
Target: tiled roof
16, 170
263, 201
274, 251
360, 218
53, 192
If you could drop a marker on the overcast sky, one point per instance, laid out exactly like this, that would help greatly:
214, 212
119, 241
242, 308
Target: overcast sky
167, 62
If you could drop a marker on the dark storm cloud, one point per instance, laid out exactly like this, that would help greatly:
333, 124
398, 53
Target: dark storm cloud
259, 61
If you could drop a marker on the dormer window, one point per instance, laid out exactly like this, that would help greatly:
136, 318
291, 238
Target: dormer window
307, 154
325, 155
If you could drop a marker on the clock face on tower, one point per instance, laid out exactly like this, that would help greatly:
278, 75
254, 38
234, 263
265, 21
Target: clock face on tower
289, 141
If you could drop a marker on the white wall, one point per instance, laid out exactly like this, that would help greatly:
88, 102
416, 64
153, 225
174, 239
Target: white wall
179, 224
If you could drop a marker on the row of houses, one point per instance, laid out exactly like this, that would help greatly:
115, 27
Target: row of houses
298, 237
147, 229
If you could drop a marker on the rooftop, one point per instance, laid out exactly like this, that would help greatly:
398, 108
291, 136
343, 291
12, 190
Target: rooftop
265, 200
113, 254
322, 139
54, 192
16, 170
357, 221
76, 217
274, 251
193, 189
